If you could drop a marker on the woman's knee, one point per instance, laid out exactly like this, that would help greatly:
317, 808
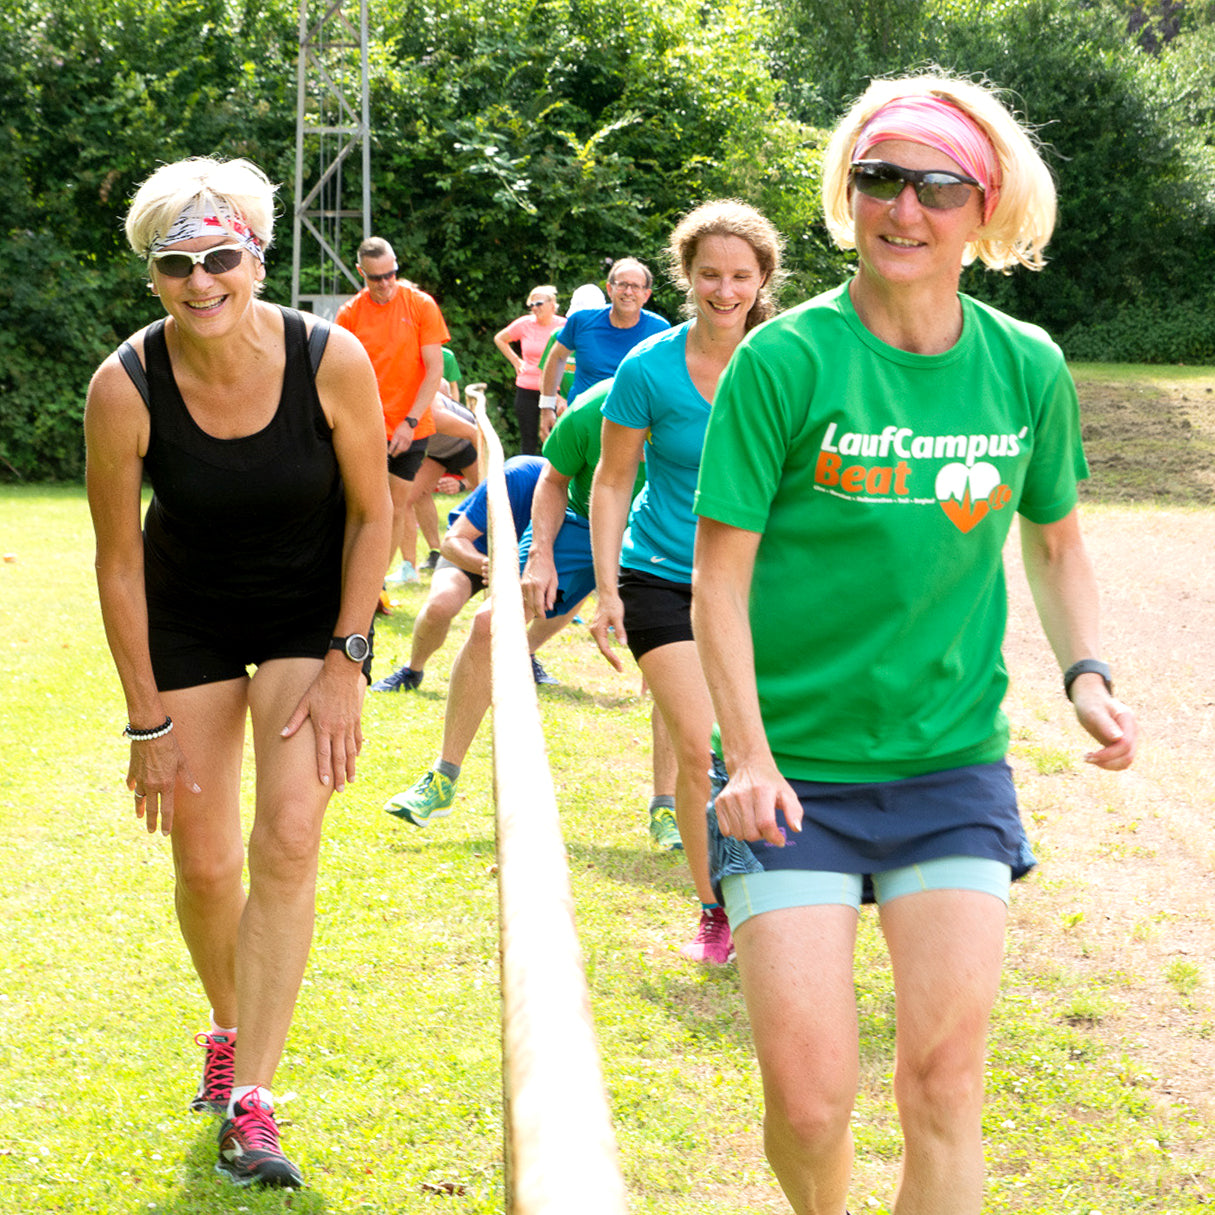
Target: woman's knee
285, 846
815, 1120
208, 874
479, 632
939, 1092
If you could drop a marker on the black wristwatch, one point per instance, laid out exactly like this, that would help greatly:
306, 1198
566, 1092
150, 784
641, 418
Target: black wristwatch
356, 647
1087, 666
412, 423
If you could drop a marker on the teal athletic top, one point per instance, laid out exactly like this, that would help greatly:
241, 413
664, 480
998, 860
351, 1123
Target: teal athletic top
654, 392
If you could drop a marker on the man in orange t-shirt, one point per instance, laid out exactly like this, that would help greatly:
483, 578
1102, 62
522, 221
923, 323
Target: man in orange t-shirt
403, 331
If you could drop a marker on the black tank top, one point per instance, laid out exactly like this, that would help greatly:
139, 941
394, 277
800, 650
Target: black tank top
262, 516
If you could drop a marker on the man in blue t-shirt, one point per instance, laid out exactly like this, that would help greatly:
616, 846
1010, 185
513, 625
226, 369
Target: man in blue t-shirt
600, 337
463, 567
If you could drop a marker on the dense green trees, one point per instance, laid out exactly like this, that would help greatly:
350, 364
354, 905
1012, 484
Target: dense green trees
1129, 136
94, 93
518, 141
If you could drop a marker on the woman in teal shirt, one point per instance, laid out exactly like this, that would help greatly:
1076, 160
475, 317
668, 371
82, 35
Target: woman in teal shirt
725, 254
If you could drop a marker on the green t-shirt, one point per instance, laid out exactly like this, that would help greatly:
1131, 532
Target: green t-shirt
574, 444
451, 369
567, 380
884, 485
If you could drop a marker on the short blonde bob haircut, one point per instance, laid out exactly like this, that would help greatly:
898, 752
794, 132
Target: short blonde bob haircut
1024, 218
728, 217
238, 184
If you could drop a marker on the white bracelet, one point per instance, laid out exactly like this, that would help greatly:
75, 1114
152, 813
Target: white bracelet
549, 402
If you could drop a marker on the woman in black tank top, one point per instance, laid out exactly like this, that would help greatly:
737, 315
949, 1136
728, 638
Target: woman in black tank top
264, 546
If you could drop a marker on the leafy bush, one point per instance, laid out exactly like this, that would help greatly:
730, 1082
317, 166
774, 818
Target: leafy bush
1147, 332
95, 94
1134, 223
525, 141
51, 333
1129, 137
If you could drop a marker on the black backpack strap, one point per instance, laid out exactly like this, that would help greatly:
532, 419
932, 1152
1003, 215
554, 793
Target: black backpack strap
134, 368
316, 342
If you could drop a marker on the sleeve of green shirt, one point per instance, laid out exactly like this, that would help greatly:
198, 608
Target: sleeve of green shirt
748, 433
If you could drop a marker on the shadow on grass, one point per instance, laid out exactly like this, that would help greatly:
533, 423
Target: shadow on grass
205, 1190
667, 871
423, 842
578, 696
432, 695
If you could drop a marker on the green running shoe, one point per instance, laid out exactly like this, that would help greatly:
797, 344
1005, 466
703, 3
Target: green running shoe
430, 798
664, 830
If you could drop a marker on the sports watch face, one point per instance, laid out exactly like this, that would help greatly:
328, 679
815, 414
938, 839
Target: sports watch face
357, 647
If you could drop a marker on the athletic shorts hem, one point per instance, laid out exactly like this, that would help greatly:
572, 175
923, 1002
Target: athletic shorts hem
657, 611
405, 464
573, 561
477, 582
749, 895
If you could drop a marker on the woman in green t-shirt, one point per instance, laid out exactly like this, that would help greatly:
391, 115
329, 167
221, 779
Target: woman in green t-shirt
849, 610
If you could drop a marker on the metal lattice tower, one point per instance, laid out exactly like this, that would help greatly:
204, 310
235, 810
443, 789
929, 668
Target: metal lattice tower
332, 120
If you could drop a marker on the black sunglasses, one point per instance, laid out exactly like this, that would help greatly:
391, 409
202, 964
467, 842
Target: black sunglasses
935, 188
380, 278
176, 264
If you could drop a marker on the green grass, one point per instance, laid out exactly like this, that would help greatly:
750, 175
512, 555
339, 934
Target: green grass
1142, 375
395, 1048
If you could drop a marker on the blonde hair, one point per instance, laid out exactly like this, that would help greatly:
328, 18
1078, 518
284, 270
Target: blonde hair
729, 217
239, 184
1024, 218
548, 291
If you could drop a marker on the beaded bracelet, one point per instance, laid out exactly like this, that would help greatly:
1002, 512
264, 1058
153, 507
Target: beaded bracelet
147, 735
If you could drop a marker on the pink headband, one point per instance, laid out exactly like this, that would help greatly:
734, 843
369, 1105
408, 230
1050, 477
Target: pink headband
940, 125
206, 215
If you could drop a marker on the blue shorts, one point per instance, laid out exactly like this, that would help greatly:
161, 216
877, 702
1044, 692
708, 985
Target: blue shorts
883, 827
572, 557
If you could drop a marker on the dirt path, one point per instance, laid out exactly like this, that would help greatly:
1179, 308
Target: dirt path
1125, 892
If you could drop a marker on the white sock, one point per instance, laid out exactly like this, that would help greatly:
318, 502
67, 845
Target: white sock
216, 1028
239, 1092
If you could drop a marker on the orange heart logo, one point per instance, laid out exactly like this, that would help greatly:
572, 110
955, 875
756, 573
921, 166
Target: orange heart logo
963, 492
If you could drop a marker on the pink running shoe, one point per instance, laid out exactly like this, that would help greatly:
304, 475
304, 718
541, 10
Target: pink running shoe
219, 1059
249, 1151
713, 941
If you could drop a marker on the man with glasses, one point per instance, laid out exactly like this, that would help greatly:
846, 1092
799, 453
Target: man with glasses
601, 337
403, 331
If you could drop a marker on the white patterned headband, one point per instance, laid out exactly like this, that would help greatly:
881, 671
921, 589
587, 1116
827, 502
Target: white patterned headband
206, 215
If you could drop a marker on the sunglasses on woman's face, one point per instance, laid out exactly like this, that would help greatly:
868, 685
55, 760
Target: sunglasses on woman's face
935, 188
176, 264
